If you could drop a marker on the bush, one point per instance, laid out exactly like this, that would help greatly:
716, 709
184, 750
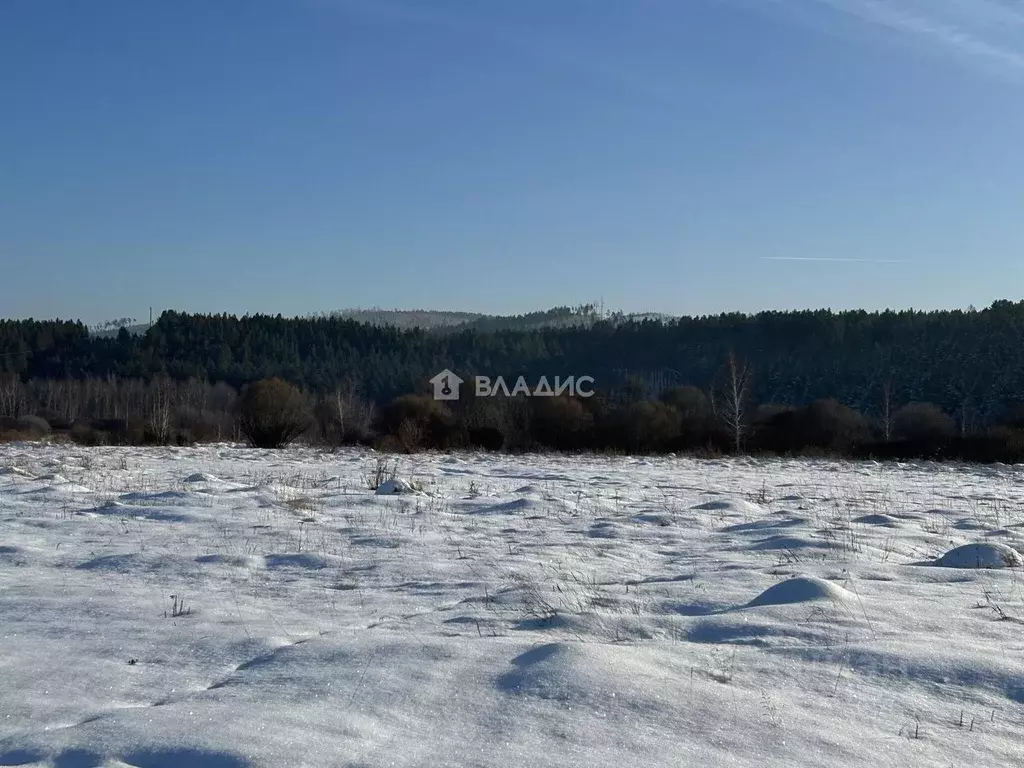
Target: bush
562, 423
488, 438
23, 428
83, 433
824, 427
418, 421
772, 428
922, 422
497, 423
203, 426
999, 443
830, 425
55, 420
272, 413
696, 418
643, 427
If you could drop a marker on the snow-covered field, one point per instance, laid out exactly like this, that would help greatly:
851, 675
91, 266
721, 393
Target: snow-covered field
222, 607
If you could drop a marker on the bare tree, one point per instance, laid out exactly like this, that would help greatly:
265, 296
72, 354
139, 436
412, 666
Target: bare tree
343, 417
12, 395
962, 389
887, 410
193, 395
730, 399
354, 415
161, 405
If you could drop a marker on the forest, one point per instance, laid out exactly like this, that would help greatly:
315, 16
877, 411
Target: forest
724, 382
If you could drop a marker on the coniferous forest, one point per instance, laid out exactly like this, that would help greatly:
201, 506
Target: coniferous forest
894, 383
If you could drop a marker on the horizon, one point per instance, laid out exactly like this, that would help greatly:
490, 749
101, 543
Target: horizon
114, 324
281, 157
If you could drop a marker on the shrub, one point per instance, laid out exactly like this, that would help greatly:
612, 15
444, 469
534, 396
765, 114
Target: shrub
696, 418
999, 443
83, 433
418, 421
831, 425
1012, 416
922, 422
56, 421
23, 428
199, 425
497, 423
488, 438
562, 423
642, 427
823, 427
772, 427
272, 413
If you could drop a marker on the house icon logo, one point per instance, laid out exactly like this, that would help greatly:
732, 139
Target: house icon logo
446, 385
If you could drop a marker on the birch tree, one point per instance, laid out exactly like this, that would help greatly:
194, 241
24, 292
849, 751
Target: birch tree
731, 399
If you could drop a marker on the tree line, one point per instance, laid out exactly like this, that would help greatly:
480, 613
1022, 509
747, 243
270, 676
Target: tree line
271, 413
856, 383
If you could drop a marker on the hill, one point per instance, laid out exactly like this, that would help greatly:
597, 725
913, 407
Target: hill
583, 315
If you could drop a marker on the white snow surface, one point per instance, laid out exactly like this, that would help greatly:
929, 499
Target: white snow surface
989, 554
538, 611
393, 486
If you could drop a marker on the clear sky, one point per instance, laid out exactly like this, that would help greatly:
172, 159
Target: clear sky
683, 156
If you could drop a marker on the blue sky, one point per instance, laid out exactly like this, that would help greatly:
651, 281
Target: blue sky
683, 156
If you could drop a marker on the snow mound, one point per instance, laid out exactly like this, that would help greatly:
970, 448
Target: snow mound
604, 529
60, 488
394, 486
736, 506
164, 498
515, 507
969, 524
787, 542
767, 524
877, 519
655, 518
801, 589
1005, 533
114, 508
581, 676
136, 562
14, 471
301, 560
239, 561
528, 490
984, 555
200, 477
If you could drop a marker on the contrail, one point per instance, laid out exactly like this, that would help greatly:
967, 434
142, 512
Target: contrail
966, 27
989, 33
837, 259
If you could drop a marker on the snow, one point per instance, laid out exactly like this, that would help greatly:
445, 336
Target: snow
982, 555
540, 610
393, 486
801, 589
